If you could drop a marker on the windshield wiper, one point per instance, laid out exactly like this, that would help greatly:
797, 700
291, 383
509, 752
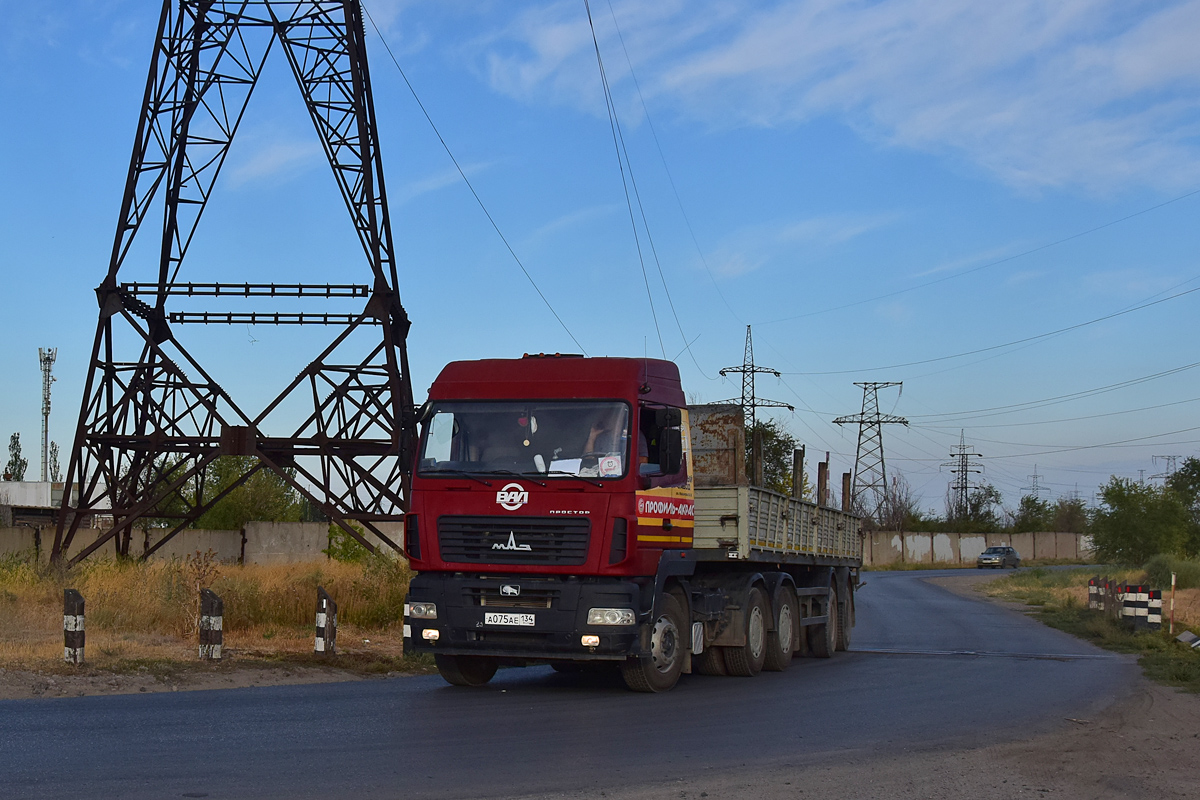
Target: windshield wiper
572, 475
515, 474
461, 472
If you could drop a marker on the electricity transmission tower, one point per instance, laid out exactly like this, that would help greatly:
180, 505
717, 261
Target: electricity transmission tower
46, 359
1036, 489
153, 420
870, 492
750, 400
1172, 463
962, 466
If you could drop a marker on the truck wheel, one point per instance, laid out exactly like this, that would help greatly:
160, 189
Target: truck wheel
660, 670
822, 639
747, 661
845, 621
781, 642
710, 662
465, 670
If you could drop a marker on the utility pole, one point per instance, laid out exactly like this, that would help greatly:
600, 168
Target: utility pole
962, 466
46, 359
870, 473
750, 401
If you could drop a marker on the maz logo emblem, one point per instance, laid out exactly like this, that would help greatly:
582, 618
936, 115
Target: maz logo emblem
510, 590
512, 497
511, 544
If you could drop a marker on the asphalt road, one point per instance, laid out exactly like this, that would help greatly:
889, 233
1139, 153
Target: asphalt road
930, 668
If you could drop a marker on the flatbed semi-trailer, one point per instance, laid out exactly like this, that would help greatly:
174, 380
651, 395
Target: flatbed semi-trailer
568, 510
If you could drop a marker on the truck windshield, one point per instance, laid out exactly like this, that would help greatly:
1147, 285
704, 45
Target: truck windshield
555, 439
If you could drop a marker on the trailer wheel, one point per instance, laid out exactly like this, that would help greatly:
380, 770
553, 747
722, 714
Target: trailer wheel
660, 670
465, 670
822, 639
845, 617
781, 642
747, 661
710, 662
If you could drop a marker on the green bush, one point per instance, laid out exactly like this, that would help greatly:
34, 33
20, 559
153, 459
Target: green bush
1159, 569
344, 547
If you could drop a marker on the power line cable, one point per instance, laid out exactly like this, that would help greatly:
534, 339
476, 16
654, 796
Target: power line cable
1076, 419
670, 178
988, 265
958, 416
618, 139
467, 181
1008, 344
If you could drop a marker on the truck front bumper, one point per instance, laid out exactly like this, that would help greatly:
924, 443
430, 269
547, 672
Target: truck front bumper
477, 615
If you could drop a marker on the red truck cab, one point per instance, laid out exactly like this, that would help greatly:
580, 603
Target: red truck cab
547, 495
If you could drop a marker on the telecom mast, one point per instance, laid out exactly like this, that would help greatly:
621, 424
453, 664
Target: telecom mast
46, 359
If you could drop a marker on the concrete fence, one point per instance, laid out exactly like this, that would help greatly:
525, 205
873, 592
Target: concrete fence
881, 548
257, 543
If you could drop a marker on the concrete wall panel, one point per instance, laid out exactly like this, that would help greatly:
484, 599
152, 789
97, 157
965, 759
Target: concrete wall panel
226, 544
945, 548
17, 540
1023, 542
970, 545
918, 548
285, 542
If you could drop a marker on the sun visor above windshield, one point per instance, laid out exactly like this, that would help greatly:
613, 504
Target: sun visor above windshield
567, 378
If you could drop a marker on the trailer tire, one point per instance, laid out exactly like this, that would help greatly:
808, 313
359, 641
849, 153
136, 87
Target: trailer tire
845, 620
659, 671
822, 639
465, 670
781, 642
710, 662
747, 661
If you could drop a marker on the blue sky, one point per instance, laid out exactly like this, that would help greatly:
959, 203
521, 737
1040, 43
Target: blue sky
868, 183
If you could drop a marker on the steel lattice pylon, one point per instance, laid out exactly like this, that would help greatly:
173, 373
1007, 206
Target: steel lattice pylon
870, 489
152, 419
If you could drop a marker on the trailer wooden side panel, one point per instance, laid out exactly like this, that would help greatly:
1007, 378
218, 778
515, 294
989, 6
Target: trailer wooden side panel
743, 520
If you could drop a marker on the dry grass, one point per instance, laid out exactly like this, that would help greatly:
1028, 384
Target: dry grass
142, 614
1068, 589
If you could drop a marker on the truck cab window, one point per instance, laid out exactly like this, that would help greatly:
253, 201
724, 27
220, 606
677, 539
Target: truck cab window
552, 438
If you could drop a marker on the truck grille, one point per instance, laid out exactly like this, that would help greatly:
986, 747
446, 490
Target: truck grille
513, 540
493, 596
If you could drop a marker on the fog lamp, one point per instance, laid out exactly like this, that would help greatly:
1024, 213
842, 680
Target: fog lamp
431, 634
589, 640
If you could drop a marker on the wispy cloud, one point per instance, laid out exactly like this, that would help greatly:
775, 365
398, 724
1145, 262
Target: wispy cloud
973, 260
432, 183
1082, 93
571, 220
753, 246
274, 160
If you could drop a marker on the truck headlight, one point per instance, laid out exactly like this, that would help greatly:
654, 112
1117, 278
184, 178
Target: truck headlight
611, 616
420, 610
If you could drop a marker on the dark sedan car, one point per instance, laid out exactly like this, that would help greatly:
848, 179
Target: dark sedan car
999, 557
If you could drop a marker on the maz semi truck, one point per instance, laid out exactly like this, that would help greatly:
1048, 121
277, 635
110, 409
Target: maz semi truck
567, 510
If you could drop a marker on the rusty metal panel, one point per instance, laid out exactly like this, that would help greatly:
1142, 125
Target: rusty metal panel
718, 436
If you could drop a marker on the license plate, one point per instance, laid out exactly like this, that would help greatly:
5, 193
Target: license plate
492, 618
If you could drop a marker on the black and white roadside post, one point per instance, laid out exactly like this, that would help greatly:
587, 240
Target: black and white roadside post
212, 623
72, 626
326, 623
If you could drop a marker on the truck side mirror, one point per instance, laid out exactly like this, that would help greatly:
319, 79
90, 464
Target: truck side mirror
670, 450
